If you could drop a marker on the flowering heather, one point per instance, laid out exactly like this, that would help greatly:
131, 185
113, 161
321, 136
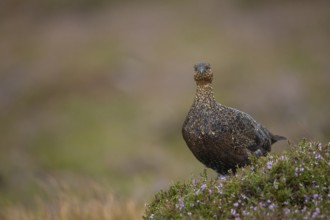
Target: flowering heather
294, 185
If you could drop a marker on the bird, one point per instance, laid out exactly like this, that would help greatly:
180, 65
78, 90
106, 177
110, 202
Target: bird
220, 137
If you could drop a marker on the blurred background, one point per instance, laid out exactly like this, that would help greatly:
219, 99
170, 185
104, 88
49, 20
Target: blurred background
93, 93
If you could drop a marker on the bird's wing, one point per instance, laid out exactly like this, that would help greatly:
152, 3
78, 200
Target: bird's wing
248, 132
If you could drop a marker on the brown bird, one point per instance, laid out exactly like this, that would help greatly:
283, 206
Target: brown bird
220, 137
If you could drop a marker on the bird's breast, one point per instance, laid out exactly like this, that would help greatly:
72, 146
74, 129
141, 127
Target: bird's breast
203, 123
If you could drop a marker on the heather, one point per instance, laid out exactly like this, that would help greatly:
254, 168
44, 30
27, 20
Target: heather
292, 185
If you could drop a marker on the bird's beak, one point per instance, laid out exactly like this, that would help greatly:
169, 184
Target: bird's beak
201, 69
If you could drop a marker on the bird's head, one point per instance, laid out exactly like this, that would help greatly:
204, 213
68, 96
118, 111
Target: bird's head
203, 73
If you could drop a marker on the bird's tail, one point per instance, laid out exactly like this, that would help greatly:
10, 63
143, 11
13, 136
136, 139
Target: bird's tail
276, 138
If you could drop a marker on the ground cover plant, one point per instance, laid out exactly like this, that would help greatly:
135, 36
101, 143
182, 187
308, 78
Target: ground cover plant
293, 185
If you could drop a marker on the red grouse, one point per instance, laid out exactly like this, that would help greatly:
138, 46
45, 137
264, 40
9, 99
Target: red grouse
220, 137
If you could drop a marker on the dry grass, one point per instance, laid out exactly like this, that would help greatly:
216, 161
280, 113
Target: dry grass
73, 208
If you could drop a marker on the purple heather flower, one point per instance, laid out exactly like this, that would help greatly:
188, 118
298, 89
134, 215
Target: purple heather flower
261, 204
236, 204
271, 206
315, 214
317, 156
203, 186
269, 164
233, 211
222, 178
180, 205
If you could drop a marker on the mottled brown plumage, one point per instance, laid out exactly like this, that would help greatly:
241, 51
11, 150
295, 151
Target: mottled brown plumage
221, 137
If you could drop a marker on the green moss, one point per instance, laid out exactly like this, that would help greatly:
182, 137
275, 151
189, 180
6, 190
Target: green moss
292, 185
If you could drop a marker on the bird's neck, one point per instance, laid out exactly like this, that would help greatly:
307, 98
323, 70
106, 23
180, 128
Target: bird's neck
204, 93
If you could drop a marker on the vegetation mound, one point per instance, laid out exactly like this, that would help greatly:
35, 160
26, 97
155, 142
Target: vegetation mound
294, 185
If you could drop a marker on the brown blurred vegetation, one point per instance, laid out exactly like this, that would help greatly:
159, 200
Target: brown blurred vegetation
94, 92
